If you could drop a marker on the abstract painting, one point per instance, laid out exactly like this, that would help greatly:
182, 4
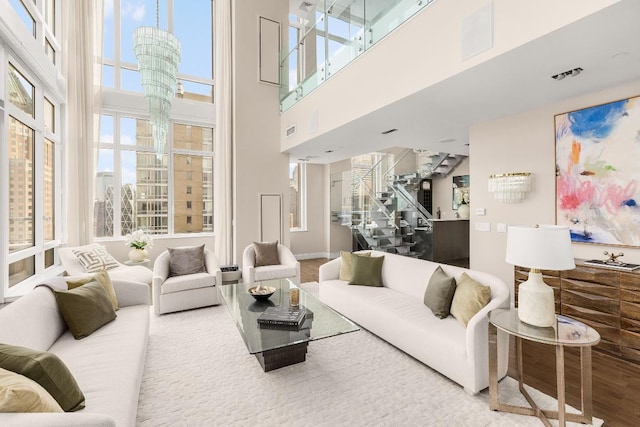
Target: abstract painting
597, 173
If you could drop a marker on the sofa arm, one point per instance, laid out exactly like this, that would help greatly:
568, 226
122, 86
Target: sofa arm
330, 270
62, 419
131, 293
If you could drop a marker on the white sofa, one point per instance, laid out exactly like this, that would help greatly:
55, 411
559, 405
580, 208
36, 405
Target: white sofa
397, 314
107, 365
133, 273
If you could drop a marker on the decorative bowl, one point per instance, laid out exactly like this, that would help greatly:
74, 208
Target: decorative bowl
263, 294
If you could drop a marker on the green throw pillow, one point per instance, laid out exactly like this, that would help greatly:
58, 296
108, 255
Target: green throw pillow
47, 370
102, 278
470, 298
345, 264
85, 309
439, 293
366, 271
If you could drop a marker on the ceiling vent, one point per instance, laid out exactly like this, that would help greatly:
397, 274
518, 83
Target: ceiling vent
291, 130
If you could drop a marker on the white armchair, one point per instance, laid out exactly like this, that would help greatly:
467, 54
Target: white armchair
73, 267
177, 293
289, 266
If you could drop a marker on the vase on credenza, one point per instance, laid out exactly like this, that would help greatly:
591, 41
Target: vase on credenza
464, 211
138, 255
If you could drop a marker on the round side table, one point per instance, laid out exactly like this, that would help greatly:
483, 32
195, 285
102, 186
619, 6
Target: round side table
145, 263
566, 332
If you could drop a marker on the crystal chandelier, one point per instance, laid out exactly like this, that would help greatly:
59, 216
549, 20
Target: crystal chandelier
510, 187
158, 55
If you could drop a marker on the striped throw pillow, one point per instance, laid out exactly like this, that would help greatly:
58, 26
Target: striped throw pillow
95, 260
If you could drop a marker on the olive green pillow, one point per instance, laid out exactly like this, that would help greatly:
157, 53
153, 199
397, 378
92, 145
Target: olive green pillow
470, 298
21, 394
102, 278
85, 309
439, 293
47, 370
366, 271
266, 253
345, 264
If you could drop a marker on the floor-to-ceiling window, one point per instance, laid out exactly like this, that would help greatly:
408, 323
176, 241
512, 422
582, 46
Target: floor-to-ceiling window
30, 141
298, 196
136, 188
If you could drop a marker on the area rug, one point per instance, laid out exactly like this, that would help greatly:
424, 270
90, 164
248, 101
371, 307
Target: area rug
198, 373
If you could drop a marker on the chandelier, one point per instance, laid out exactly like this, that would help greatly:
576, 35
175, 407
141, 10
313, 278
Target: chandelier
510, 187
158, 55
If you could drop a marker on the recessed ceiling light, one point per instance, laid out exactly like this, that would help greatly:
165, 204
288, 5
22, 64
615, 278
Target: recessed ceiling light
571, 73
620, 55
386, 132
447, 140
329, 151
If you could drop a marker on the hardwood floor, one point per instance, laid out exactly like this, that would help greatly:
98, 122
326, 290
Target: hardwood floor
309, 269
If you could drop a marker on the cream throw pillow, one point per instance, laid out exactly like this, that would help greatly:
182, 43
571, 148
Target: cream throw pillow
470, 298
21, 394
345, 266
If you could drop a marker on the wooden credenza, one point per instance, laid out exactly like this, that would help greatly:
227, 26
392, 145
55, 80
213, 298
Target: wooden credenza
609, 301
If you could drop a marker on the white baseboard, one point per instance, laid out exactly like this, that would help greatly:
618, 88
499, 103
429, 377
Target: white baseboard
313, 255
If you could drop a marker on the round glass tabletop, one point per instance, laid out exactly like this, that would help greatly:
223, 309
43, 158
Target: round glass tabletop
566, 331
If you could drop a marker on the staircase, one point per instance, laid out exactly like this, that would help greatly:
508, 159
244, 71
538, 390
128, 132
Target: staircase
384, 213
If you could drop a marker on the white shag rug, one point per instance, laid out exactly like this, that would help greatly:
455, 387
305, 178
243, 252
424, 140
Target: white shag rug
199, 373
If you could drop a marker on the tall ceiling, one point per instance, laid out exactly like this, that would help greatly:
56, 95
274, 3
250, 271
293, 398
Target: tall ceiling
606, 45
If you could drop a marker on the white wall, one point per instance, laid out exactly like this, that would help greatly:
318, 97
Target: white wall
525, 143
375, 80
259, 166
312, 243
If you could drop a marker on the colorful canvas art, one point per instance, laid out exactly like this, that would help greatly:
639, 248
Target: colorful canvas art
597, 173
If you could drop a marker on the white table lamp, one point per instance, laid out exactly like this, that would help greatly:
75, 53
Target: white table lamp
544, 247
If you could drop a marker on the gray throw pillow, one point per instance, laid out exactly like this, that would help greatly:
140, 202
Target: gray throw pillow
47, 370
266, 253
439, 293
85, 309
184, 261
366, 271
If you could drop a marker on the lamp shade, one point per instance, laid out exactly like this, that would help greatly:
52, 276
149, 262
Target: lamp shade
545, 247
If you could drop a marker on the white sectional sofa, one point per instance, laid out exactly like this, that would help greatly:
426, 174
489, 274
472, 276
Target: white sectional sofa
107, 365
396, 313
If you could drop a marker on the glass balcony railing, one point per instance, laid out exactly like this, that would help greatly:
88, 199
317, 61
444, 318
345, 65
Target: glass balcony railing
331, 35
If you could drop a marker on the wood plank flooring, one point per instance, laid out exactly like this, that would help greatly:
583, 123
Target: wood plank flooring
309, 269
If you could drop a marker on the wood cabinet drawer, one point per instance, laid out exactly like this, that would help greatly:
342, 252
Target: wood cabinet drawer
593, 302
605, 290
630, 310
596, 275
630, 339
589, 314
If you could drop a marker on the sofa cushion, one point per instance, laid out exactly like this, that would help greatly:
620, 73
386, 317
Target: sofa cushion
96, 259
269, 272
366, 271
185, 283
439, 294
46, 369
21, 394
104, 280
345, 263
469, 298
85, 308
266, 253
187, 260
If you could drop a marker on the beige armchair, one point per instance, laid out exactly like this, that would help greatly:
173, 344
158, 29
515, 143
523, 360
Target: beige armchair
184, 292
288, 268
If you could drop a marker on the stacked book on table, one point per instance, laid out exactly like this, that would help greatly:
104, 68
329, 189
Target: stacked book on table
286, 318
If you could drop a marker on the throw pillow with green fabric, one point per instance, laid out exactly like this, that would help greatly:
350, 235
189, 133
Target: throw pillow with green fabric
84, 309
469, 299
46, 369
102, 278
345, 263
366, 271
183, 261
266, 253
21, 394
439, 293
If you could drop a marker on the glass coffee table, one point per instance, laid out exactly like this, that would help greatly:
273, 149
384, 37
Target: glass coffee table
276, 348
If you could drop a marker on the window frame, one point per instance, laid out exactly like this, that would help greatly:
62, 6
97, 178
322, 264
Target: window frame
302, 178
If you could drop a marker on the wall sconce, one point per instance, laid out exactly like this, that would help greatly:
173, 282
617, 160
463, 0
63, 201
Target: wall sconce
510, 187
